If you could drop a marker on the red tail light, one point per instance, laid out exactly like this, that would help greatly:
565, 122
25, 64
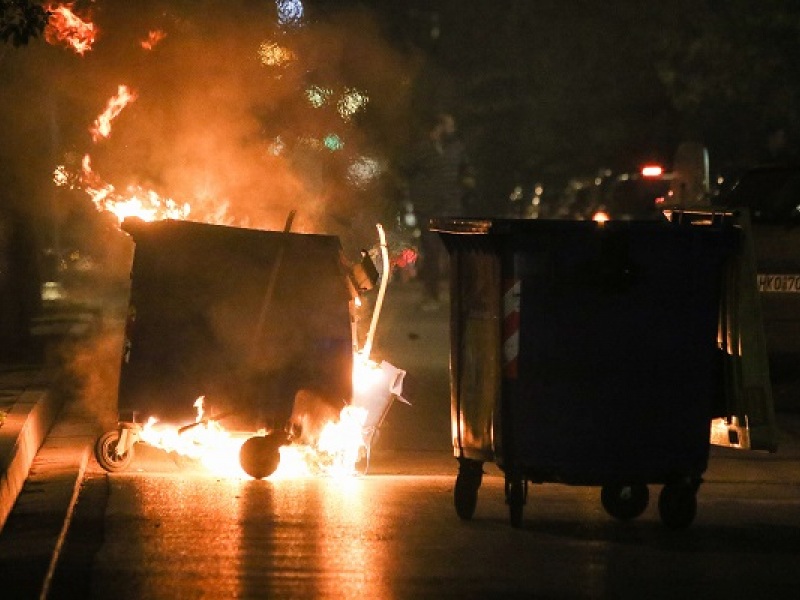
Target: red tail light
652, 171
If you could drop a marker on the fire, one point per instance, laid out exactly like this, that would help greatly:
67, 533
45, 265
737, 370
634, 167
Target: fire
153, 38
67, 28
102, 124
137, 202
208, 443
341, 445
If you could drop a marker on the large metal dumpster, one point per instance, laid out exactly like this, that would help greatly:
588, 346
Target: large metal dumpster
587, 354
246, 318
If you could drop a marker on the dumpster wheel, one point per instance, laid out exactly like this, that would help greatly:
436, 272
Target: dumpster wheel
677, 504
105, 451
468, 481
516, 494
260, 456
624, 502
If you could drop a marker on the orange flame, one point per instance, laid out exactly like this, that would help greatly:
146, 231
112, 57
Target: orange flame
336, 453
68, 29
137, 202
144, 204
153, 38
102, 124
217, 450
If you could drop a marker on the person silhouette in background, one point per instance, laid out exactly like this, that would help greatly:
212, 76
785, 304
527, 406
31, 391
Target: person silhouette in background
435, 176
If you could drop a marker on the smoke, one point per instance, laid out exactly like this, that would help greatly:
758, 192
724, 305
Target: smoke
90, 374
222, 118
225, 119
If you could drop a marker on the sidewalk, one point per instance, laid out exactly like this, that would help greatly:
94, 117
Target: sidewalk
30, 411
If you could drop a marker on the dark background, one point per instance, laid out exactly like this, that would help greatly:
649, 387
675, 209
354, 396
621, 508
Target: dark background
543, 91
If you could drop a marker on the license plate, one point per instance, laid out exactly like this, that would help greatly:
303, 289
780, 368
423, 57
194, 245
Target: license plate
779, 283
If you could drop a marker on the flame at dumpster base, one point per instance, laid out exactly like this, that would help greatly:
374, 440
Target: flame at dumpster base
337, 451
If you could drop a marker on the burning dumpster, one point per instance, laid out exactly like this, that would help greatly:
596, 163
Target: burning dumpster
246, 319
587, 353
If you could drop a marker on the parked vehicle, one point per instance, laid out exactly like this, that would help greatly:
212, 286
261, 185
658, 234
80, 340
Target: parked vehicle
771, 196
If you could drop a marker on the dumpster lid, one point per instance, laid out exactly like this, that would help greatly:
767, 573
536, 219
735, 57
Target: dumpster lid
504, 226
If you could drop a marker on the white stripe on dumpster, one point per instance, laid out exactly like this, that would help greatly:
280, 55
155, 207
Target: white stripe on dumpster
511, 307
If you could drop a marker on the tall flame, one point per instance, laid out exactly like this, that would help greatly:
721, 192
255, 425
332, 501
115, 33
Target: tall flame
101, 128
68, 29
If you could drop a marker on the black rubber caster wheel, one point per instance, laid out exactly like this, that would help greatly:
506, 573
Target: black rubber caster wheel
468, 481
624, 502
105, 451
260, 456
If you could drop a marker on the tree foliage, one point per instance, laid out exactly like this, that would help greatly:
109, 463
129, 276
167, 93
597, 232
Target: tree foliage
563, 87
21, 20
731, 68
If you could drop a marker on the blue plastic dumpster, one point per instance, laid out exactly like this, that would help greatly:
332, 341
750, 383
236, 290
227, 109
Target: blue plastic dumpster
586, 353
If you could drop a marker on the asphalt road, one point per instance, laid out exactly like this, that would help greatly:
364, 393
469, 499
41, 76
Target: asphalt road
396, 536
169, 530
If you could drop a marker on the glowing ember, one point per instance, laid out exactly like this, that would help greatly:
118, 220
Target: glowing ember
153, 38
600, 217
67, 28
102, 124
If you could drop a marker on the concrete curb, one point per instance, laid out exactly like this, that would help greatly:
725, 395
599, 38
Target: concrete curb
21, 436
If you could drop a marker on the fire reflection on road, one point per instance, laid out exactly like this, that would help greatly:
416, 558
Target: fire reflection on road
324, 540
